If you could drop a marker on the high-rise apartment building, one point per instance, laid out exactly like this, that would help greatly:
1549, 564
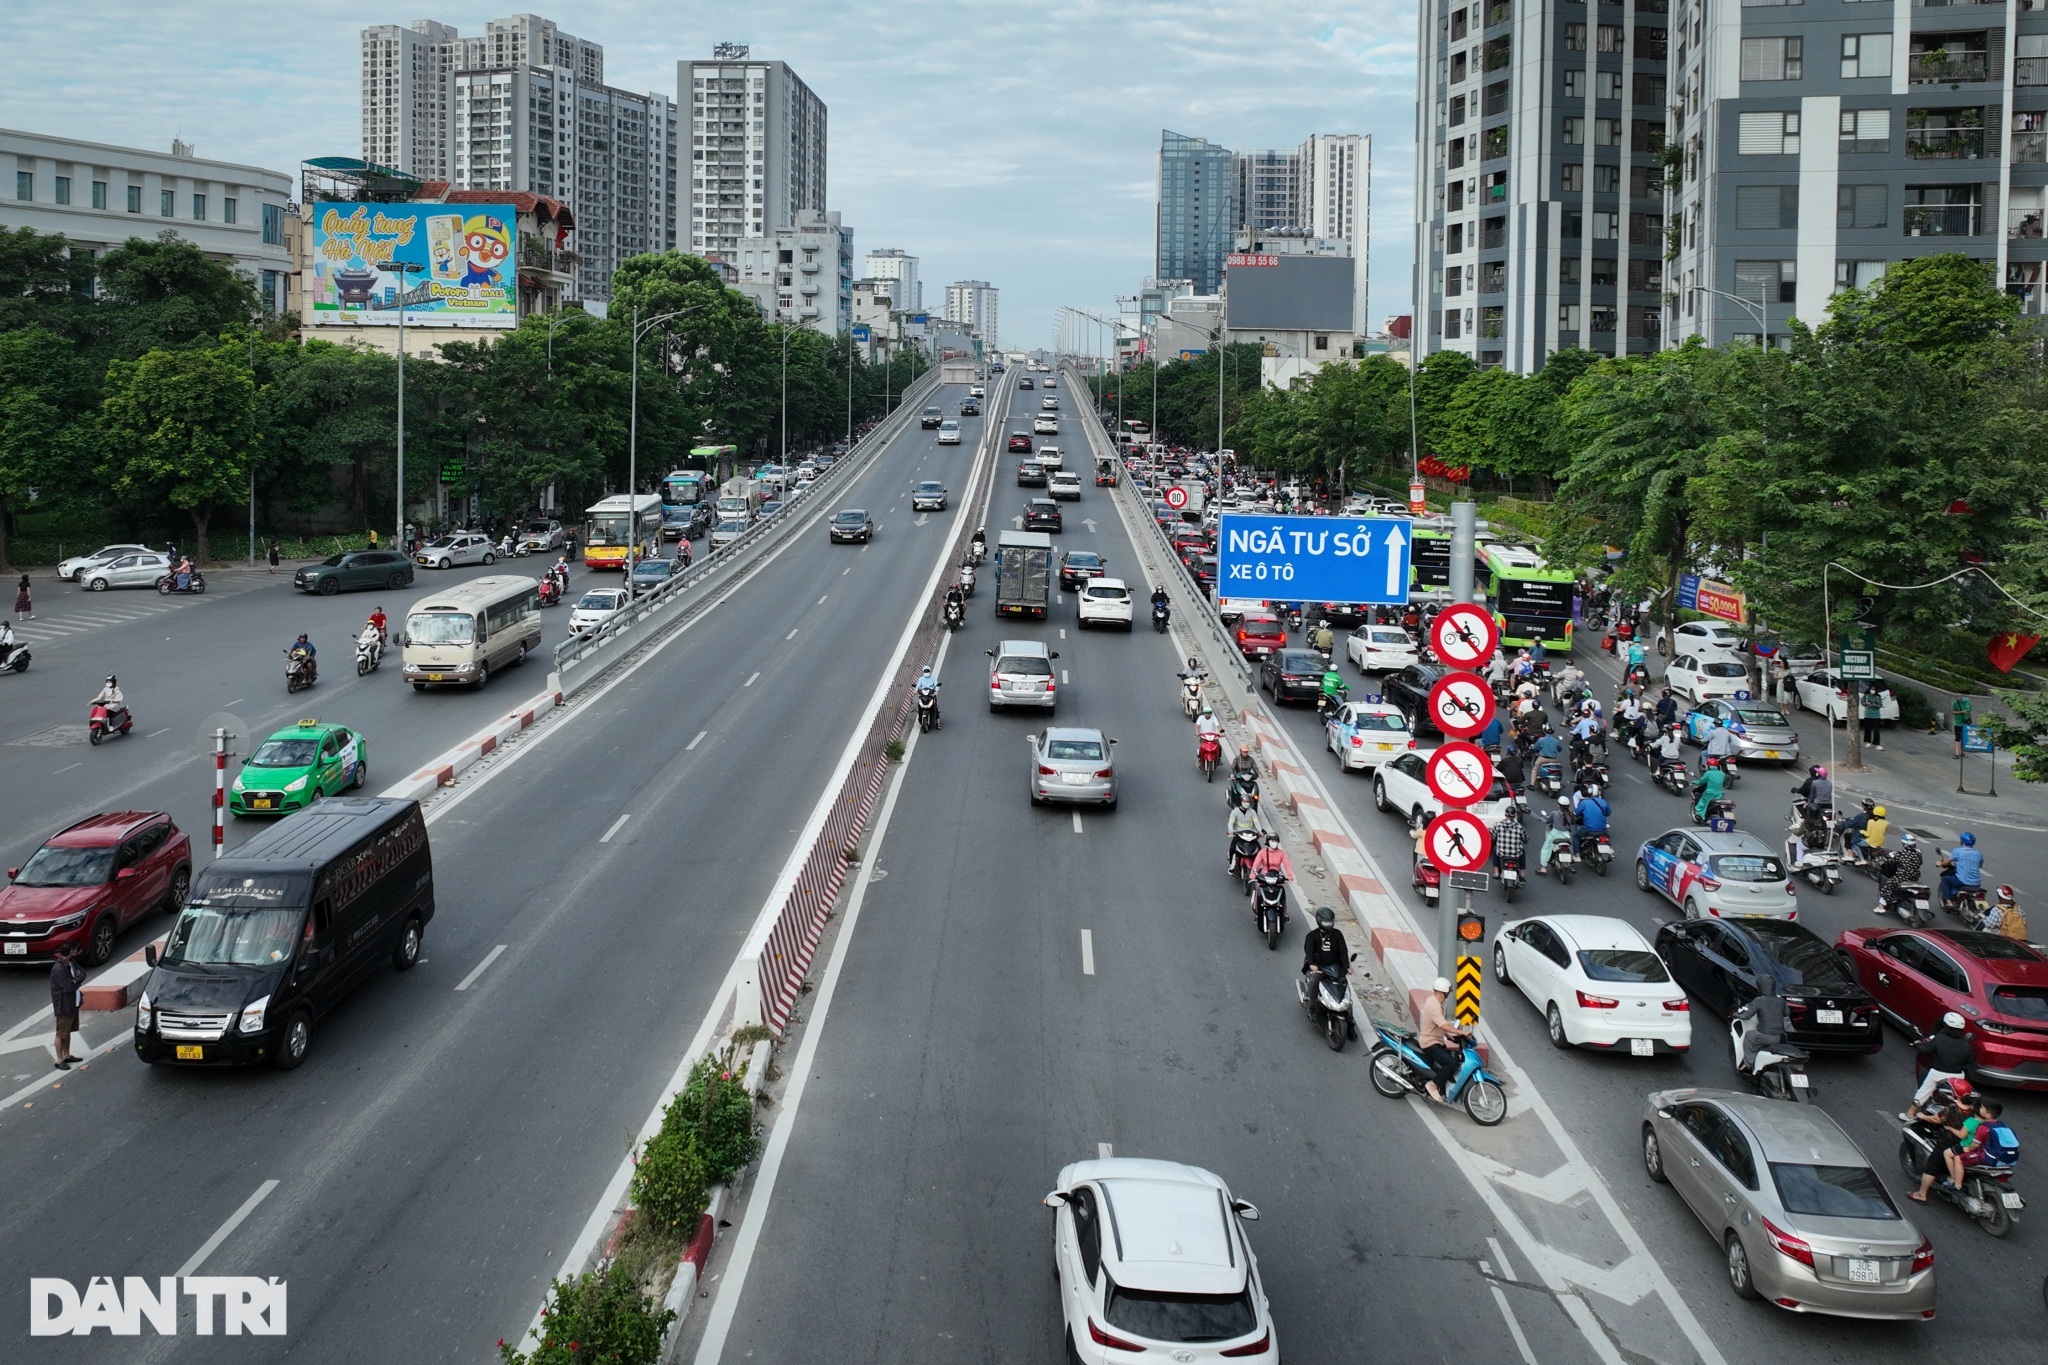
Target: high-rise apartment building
1539, 192
1267, 188
405, 96
893, 263
757, 148
973, 302
1197, 211
1821, 146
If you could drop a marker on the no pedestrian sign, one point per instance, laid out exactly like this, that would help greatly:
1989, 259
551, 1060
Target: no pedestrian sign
1457, 841
1463, 636
1319, 559
1459, 773
1461, 705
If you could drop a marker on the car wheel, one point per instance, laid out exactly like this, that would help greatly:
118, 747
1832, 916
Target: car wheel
520, 662
99, 941
362, 776
405, 954
329, 587
295, 1041
1692, 909
174, 897
396, 582
1642, 876
97, 585
483, 675
1738, 1269
1653, 1156
489, 559
1500, 965
1379, 797
1553, 1024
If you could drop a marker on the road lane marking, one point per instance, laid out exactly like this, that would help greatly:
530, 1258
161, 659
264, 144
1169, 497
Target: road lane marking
1064, 679
154, 733
80, 764
791, 635
221, 1234
1500, 1258
695, 742
1103, 1151
478, 970
845, 571
821, 600
606, 837
750, 682
1063, 632
1514, 1327
1087, 952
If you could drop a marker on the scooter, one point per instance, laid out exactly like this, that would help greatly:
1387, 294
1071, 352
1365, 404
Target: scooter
1208, 753
1428, 878
1986, 1193
927, 710
369, 651
1269, 905
1327, 703
1808, 853
1672, 775
1779, 1071
1161, 615
967, 579
1721, 808
954, 615
104, 722
1550, 776
977, 550
1326, 998
1564, 860
1398, 1069
1244, 787
1600, 855
1191, 694
1244, 846
1293, 619
550, 591
194, 581
299, 670
13, 658
1912, 902
1966, 905
1510, 870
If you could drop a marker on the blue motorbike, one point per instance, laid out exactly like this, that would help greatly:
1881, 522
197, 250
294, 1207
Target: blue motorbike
1398, 1069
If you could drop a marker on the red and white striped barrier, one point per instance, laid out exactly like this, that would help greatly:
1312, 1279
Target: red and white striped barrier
442, 771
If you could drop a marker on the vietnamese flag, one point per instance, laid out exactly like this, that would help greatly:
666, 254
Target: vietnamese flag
2008, 649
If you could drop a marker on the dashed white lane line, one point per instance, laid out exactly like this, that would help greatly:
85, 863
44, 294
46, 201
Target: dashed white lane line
1077, 822
750, 682
1087, 952
1103, 1151
695, 742
1063, 632
1064, 679
791, 635
617, 825
67, 769
821, 600
845, 571
154, 733
478, 970
222, 1233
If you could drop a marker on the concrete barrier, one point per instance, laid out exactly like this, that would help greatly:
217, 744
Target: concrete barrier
441, 771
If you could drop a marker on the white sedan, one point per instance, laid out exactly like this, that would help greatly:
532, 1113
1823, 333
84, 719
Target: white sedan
595, 608
1824, 692
1399, 788
1381, 649
1708, 639
1702, 678
1596, 983
69, 569
1045, 424
1105, 602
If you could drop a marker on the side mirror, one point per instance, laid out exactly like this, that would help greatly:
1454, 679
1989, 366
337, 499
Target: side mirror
149, 954
403, 640
1055, 654
1054, 1200
991, 653
124, 874
12, 873
1112, 741
1663, 1113
1245, 1210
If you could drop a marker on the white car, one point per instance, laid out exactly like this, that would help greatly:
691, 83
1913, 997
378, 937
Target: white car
1105, 602
1702, 678
1596, 983
1050, 458
1049, 404
139, 570
1150, 1257
1063, 484
1365, 734
1381, 649
1824, 692
1707, 639
976, 391
595, 608
949, 432
1399, 788
69, 569
1045, 424
457, 547
726, 532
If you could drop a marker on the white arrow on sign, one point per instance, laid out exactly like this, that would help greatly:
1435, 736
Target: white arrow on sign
1394, 541
1089, 522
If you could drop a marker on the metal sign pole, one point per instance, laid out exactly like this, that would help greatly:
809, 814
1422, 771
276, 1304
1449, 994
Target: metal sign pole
1464, 547
220, 790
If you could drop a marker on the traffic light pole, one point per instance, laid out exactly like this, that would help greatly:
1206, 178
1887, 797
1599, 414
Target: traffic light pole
1464, 548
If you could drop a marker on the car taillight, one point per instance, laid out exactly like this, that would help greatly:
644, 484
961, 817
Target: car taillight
1791, 888
1411, 743
1102, 1338
1105, 772
1050, 684
1044, 771
1788, 1245
1710, 883
1256, 1348
1596, 1002
1679, 1006
1923, 1257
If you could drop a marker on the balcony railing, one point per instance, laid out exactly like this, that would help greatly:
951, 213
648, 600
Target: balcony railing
2030, 146
1493, 237
2023, 223
1944, 144
536, 256
2030, 71
1925, 68
1942, 220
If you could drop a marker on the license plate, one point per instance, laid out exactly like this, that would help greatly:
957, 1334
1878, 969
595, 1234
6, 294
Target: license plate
433, 677
1799, 1080
191, 1052
1827, 1016
1074, 779
1384, 748
17, 950
1773, 753
1862, 1271
2010, 1200
260, 803
1641, 1047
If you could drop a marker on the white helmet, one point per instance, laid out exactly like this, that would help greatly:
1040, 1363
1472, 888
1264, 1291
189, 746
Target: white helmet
1442, 985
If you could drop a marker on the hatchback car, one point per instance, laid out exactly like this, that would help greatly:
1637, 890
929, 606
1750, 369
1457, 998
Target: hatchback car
1257, 633
1104, 602
2000, 987
928, 496
649, 574
595, 608
1399, 787
298, 766
1078, 566
1019, 443
1020, 674
949, 432
850, 524
139, 570
1823, 691
1726, 963
1151, 1259
355, 569
1024, 383
541, 534
1046, 424
1292, 675
1705, 872
455, 548
70, 569
1381, 649
1042, 514
1709, 639
1069, 763
91, 880
1365, 734
1765, 734
1596, 983
1701, 678
1064, 485
1801, 1218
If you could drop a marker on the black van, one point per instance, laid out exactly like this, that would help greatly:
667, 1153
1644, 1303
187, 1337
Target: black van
273, 935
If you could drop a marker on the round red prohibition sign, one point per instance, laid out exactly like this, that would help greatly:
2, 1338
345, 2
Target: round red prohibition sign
1457, 841
1176, 497
1463, 636
1459, 773
1461, 705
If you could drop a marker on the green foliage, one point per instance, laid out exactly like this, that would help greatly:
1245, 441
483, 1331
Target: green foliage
707, 1134
600, 1318
669, 1185
175, 427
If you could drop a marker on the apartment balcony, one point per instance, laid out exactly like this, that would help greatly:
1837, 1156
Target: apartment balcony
540, 261
1492, 238
2030, 147
2023, 224
1944, 144
2030, 71
1943, 220
809, 267
1947, 68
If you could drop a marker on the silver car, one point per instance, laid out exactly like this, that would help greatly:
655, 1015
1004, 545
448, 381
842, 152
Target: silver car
1020, 674
1802, 1219
139, 570
928, 496
1069, 763
70, 569
457, 547
1766, 735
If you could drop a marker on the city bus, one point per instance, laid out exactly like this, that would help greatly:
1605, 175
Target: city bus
619, 522
1531, 600
712, 459
1429, 560
685, 487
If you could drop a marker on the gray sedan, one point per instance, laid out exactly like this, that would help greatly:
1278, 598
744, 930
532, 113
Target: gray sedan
1070, 763
140, 570
1802, 1219
1765, 736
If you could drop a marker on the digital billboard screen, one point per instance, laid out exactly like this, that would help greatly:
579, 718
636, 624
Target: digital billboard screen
466, 254
1288, 293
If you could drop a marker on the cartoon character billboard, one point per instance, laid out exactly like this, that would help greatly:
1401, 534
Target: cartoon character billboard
465, 270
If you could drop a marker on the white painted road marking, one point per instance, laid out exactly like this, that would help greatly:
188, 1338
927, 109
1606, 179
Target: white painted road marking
221, 1234
843, 573
695, 742
1064, 679
1087, 953
821, 600
791, 635
1063, 632
66, 770
1103, 1151
750, 682
1077, 822
154, 733
489, 958
606, 837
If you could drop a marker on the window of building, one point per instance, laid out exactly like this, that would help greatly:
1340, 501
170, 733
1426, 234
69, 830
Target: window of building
135, 198
1606, 226
1771, 59
1866, 131
1603, 272
1496, 142
1650, 42
1574, 132
273, 224
1646, 277
1571, 177
1606, 179
1454, 283
1768, 134
1609, 37
1457, 23
1767, 281
1865, 56
1457, 149
1457, 114
1458, 69
1603, 317
228, 208
99, 194
1493, 277
1859, 206
1943, 210
1645, 229
1763, 207
1499, 51
1454, 196
1454, 242
1568, 270
1568, 317
1497, 98
1572, 224
1649, 90
1646, 135
1575, 83
1645, 182
1451, 324
1493, 187
1858, 274
63, 189
1574, 37
1606, 132
167, 204
1608, 84
24, 184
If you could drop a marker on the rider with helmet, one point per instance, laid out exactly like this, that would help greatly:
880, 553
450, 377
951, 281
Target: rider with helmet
1709, 787
1324, 945
1897, 868
1817, 792
1962, 866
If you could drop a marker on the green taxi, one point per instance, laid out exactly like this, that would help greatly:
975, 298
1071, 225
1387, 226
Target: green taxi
298, 766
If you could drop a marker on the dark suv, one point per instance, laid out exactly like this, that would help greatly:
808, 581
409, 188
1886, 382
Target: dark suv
91, 881
930, 418
355, 569
1409, 690
1042, 514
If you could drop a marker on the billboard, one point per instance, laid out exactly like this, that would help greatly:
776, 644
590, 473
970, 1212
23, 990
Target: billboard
466, 257
1264, 293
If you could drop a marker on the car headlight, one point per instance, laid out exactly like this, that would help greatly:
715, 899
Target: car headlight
252, 1015
145, 1017
297, 784
236, 785
72, 921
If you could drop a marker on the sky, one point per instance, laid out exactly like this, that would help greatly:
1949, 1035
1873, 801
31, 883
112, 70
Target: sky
1012, 143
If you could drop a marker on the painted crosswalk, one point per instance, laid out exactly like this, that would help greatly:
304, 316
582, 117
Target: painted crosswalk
50, 628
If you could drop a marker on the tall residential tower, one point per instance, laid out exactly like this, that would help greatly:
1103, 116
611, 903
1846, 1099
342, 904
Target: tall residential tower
757, 148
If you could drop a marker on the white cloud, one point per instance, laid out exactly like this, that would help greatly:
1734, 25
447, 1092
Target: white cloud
1010, 143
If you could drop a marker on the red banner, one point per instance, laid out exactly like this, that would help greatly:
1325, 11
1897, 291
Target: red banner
2008, 649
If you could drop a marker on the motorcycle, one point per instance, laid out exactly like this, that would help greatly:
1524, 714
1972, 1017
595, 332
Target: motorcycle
1244, 846
1721, 808
1732, 768
1244, 787
1589, 773
1398, 1069
1638, 676
1564, 860
1208, 753
927, 711
13, 658
1807, 850
1600, 854
1161, 615
1986, 1193
299, 670
1269, 905
977, 550
1672, 776
1326, 998
192, 581
369, 651
1912, 902
1779, 1071
1510, 870
1966, 905
104, 722
1550, 776
1428, 878
967, 579
550, 591
1328, 703
1191, 694
1293, 619
954, 615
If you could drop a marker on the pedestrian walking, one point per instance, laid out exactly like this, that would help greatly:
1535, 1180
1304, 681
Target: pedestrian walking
373, 537
66, 976
1959, 714
270, 553
1873, 715
24, 607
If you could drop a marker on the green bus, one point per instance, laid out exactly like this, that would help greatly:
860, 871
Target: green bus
1531, 600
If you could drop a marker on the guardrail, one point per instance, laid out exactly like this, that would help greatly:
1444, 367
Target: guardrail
581, 658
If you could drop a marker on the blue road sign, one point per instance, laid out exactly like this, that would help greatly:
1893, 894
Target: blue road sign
1319, 559
1689, 591
1977, 739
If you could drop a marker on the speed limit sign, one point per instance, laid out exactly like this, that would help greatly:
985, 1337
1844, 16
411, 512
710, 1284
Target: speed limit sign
1176, 497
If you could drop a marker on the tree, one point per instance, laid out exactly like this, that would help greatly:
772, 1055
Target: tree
175, 426
46, 402
166, 292
1436, 384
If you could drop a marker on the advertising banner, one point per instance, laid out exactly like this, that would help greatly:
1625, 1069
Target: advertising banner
465, 254
1709, 598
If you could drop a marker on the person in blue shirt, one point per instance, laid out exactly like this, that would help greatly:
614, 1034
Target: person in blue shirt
1549, 746
1587, 726
1961, 866
1635, 653
1590, 812
1489, 738
1667, 709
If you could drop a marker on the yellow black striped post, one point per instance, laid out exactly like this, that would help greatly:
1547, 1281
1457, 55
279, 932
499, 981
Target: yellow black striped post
1465, 991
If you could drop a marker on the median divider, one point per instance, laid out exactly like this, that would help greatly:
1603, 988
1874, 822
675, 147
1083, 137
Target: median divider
120, 985
443, 770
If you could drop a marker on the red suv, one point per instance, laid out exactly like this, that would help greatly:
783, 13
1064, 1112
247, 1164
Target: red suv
1259, 635
91, 881
1020, 442
2000, 987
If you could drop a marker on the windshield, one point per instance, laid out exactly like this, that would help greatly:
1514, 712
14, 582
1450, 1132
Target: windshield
850, 518
440, 628
1762, 716
1074, 749
333, 561
1180, 1317
930, 487
538, 528
1084, 559
608, 529
1832, 1191
208, 937
440, 543
598, 601
53, 866
1804, 959
1391, 637
730, 528
285, 753
1622, 964
1378, 720
1720, 670
2025, 1002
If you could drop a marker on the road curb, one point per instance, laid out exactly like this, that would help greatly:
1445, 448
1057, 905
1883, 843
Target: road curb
120, 985
443, 770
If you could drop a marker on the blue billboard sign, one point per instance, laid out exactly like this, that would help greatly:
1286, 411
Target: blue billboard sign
1313, 559
1689, 591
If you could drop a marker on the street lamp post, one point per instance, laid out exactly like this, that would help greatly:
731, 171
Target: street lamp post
1757, 308
640, 329
784, 329
401, 269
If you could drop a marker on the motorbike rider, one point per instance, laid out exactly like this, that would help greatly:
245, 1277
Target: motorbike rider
1324, 945
1160, 599
1768, 1009
979, 541
1856, 829
1440, 1041
1708, 788
110, 696
1897, 868
927, 686
1208, 727
1553, 835
6, 640
1509, 843
1243, 819
1590, 813
304, 646
1548, 746
1323, 639
1817, 792
1334, 690
1721, 743
1270, 857
1962, 866
1667, 709
955, 602
1670, 748
1943, 1055
380, 623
